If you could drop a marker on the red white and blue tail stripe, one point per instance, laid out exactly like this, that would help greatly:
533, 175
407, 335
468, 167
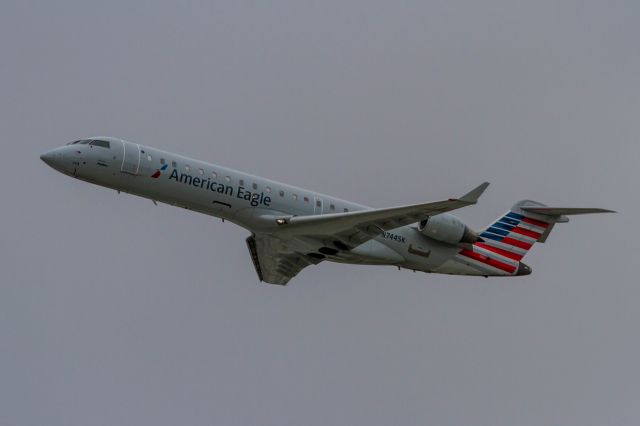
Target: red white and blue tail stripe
507, 241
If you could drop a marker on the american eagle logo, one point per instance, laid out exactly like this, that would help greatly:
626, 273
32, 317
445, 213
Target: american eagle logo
158, 172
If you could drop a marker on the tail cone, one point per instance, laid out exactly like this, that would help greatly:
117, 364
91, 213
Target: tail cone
523, 269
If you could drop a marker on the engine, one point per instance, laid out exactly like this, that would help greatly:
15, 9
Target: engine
447, 228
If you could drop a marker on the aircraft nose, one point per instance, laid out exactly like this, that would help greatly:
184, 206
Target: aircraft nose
53, 158
47, 157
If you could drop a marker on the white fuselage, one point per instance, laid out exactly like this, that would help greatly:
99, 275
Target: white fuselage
243, 199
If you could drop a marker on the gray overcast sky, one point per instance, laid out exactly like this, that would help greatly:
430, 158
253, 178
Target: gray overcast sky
117, 312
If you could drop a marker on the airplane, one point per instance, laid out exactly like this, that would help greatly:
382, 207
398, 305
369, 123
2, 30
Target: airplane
292, 228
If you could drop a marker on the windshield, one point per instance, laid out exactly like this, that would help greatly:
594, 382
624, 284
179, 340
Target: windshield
97, 142
93, 142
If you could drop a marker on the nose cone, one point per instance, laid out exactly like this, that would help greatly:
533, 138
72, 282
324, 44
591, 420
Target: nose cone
53, 158
48, 157
523, 269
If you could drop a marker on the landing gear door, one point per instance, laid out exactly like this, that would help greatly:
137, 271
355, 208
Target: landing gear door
130, 158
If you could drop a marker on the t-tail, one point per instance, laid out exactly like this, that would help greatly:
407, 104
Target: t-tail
506, 241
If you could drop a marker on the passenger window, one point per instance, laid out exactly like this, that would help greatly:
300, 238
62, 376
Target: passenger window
162, 161
332, 207
241, 182
281, 193
254, 186
306, 199
295, 196
346, 210
187, 168
201, 171
174, 164
214, 175
268, 189
227, 178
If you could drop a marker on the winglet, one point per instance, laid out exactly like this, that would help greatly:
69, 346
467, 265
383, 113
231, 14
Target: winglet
472, 196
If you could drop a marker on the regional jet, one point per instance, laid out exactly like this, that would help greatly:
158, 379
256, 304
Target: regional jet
292, 228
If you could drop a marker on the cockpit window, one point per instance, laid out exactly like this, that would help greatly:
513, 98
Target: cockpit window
97, 142
94, 142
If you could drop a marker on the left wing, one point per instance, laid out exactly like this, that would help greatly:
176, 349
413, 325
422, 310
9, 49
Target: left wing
273, 263
355, 228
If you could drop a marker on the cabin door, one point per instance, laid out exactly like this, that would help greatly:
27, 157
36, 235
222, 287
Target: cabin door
130, 158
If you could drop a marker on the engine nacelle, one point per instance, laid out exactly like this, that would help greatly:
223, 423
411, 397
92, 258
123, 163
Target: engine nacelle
447, 228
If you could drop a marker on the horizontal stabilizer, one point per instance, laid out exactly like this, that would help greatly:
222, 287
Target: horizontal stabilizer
564, 211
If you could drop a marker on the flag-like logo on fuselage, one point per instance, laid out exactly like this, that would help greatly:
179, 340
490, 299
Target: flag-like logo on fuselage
158, 172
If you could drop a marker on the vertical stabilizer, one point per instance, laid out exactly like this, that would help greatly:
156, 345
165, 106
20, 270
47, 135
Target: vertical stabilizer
515, 232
